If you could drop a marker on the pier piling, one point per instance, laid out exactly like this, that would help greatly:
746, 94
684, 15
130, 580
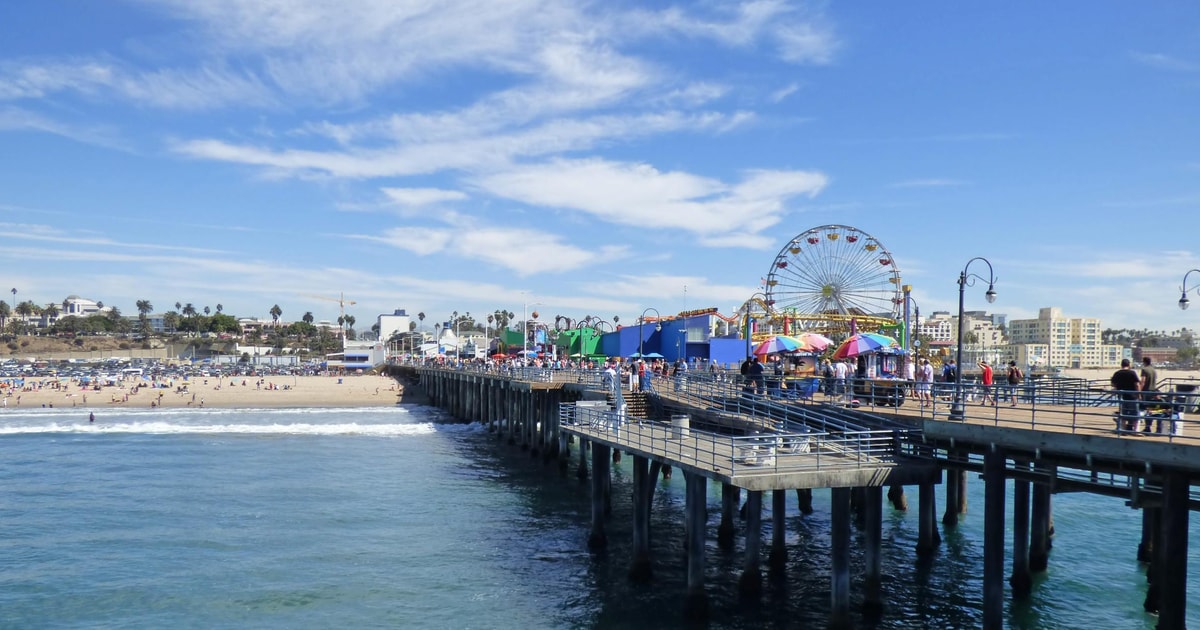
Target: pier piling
839, 537
598, 539
927, 534
1021, 580
750, 584
873, 539
993, 538
730, 496
777, 560
696, 605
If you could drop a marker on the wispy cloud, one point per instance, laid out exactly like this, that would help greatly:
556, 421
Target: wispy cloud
928, 183
422, 196
1165, 62
779, 95
17, 119
510, 248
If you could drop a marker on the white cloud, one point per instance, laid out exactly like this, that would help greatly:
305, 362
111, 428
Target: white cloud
638, 194
524, 251
782, 93
422, 196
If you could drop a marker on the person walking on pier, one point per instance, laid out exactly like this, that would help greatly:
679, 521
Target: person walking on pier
1127, 383
1014, 378
986, 379
925, 383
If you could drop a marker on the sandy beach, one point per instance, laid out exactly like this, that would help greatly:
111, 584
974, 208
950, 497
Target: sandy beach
249, 392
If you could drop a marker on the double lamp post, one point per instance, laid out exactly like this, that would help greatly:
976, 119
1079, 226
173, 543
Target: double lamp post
965, 279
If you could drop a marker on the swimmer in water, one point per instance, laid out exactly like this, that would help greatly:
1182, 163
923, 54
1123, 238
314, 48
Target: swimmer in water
92, 417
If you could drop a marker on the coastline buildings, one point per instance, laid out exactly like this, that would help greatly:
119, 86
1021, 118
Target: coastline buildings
1055, 341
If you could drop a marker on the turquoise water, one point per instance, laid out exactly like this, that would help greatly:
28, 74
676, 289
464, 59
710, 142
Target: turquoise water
390, 518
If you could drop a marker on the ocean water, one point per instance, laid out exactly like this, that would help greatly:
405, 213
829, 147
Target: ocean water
397, 518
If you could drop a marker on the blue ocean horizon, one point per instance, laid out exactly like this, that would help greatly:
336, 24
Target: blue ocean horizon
400, 518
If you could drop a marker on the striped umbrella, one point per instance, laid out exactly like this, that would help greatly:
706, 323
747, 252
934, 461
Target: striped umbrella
779, 343
866, 343
813, 341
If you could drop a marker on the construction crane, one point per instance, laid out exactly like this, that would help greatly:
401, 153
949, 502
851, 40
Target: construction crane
342, 302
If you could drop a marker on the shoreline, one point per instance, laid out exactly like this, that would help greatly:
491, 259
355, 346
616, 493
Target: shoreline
270, 392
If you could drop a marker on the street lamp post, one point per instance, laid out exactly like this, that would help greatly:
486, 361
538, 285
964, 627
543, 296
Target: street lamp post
958, 409
642, 322
437, 337
746, 305
1183, 299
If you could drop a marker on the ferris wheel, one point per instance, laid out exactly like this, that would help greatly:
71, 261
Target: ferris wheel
836, 271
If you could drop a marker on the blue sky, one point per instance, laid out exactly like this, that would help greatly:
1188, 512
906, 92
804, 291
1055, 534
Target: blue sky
595, 158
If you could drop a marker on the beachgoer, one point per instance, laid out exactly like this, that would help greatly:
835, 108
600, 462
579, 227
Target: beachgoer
1127, 383
925, 383
756, 375
986, 379
91, 417
840, 370
1014, 378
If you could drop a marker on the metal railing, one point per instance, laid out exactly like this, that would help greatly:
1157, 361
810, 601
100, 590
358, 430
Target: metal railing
1056, 404
770, 452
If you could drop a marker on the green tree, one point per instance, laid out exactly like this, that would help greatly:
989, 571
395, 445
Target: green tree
5, 313
276, 312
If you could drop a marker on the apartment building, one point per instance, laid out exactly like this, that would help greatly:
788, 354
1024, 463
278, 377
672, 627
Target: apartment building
1053, 340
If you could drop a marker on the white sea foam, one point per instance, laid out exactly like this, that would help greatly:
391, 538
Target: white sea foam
369, 421
165, 427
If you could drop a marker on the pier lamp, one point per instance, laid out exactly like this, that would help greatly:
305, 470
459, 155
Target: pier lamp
911, 343
965, 279
1183, 301
641, 323
437, 337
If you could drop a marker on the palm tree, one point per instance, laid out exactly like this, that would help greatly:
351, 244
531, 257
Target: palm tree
275, 313
220, 308
308, 317
144, 307
5, 313
350, 322
421, 316
51, 312
206, 310
178, 306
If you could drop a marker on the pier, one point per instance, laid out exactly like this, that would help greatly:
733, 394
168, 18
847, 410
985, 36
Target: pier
1060, 437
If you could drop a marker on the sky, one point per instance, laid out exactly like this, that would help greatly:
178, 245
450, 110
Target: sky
596, 158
